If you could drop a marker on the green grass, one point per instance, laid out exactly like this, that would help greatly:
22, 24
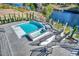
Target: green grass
5, 6
76, 36
67, 29
58, 26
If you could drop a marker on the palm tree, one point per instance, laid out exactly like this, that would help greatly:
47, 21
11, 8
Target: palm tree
47, 10
38, 7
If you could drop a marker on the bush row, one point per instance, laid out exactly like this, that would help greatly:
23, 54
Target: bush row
13, 17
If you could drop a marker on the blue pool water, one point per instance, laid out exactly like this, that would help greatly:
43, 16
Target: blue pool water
31, 26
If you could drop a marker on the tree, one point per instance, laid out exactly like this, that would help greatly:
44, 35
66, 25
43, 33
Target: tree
48, 11
31, 6
24, 4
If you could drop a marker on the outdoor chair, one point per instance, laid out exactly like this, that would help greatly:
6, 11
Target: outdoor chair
41, 38
75, 51
42, 51
78, 53
52, 42
57, 39
44, 42
47, 41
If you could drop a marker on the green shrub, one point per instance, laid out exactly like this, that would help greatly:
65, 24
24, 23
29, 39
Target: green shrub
0, 20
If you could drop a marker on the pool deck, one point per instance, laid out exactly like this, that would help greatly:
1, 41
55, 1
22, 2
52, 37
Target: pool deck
11, 45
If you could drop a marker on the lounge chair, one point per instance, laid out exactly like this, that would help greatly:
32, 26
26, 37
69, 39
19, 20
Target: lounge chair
47, 44
43, 35
45, 49
78, 53
37, 33
41, 51
47, 41
41, 38
75, 51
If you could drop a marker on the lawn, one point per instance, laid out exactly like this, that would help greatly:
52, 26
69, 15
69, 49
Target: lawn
76, 36
58, 26
67, 29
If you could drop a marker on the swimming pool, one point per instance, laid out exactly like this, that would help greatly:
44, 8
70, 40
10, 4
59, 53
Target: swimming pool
31, 26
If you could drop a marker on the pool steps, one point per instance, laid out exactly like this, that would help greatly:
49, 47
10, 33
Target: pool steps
19, 32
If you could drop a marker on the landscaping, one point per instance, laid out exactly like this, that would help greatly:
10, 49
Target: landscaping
46, 25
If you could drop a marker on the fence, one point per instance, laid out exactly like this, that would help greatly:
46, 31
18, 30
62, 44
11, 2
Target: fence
13, 17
